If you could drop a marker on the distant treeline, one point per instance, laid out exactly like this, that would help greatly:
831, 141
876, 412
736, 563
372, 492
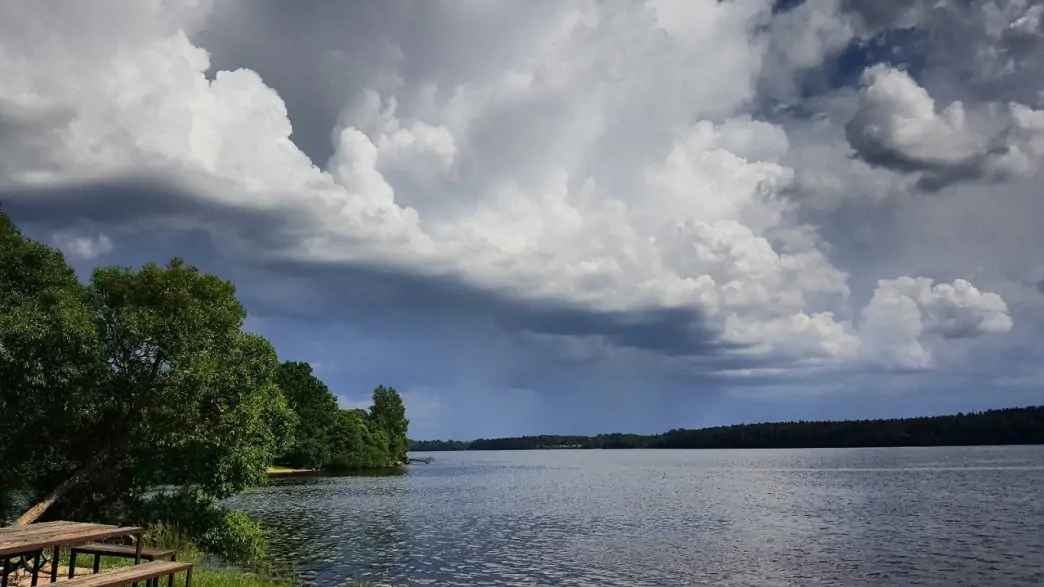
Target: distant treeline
1008, 426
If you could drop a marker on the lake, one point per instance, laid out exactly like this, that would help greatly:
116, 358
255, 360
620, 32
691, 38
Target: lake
945, 515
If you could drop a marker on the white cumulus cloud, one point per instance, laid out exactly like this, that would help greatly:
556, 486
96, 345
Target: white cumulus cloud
609, 162
906, 313
899, 125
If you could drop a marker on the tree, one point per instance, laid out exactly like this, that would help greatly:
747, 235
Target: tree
358, 445
144, 378
316, 411
49, 358
190, 397
389, 415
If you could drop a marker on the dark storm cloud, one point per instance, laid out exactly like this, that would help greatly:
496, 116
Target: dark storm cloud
932, 175
122, 201
148, 216
374, 293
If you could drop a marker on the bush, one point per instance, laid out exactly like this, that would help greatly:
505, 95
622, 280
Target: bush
186, 517
236, 538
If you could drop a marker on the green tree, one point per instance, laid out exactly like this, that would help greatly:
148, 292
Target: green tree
316, 411
357, 444
145, 377
389, 415
190, 397
49, 360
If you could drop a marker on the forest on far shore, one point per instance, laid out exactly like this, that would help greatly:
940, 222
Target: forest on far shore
1006, 426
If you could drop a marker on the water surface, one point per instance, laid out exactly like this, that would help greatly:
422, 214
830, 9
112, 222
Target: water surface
962, 515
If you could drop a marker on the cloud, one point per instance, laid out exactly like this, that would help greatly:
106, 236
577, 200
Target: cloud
415, 183
801, 39
906, 312
584, 200
85, 247
975, 49
898, 125
606, 180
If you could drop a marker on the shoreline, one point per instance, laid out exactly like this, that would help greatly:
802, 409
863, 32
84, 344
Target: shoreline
290, 472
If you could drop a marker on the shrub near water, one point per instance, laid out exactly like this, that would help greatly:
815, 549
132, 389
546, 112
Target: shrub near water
236, 537
184, 518
203, 575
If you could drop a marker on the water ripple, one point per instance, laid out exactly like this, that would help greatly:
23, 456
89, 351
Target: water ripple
849, 516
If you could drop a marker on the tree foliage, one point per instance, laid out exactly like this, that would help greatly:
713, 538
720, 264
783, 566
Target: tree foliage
359, 444
315, 410
191, 398
339, 440
388, 414
49, 359
369, 440
145, 378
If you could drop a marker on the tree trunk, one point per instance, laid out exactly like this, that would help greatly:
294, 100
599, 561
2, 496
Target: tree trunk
32, 514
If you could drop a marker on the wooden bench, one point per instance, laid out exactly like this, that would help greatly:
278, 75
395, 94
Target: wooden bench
99, 550
143, 573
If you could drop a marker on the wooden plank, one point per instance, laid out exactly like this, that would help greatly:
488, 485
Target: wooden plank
7, 529
124, 551
30, 532
46, 533
12, 544
41, 528
39, 533
128, 575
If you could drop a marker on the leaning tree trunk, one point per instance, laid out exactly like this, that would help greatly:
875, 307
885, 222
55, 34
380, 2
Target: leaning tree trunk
32, 514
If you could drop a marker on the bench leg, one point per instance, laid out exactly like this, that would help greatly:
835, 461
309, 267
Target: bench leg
54, 564
3, 574
188, 577
36, 568
150, 582
72, 563
97, 563
137, 555
170, 580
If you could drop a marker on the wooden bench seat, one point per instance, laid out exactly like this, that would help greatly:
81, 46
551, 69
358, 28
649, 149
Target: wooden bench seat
143, 573
99, 549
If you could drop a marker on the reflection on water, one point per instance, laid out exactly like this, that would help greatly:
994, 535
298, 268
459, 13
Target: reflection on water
933, 515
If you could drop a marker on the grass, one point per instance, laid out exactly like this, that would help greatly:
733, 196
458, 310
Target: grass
232, 578
205, 572
202, 576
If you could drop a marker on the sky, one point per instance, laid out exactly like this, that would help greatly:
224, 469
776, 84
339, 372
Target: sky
565, 216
